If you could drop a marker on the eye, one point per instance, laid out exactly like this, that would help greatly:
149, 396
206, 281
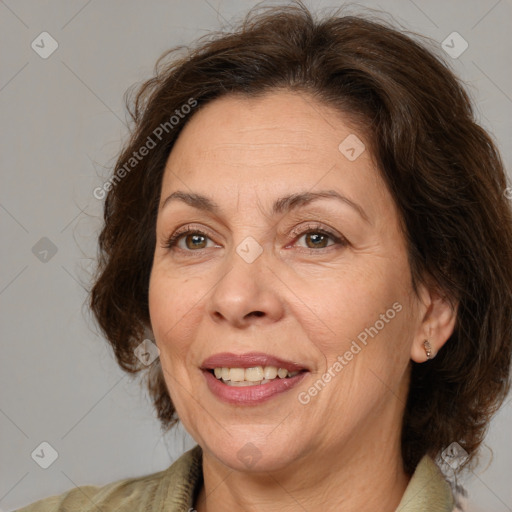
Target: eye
316, 237
188, 239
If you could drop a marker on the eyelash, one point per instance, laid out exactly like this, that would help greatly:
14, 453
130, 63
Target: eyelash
173, 240
187, 230
317, 229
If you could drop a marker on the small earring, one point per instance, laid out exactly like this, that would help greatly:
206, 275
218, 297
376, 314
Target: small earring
428, 349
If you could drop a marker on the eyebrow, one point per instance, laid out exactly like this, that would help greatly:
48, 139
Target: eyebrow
281, 205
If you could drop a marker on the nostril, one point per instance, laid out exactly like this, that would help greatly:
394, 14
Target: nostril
257, 313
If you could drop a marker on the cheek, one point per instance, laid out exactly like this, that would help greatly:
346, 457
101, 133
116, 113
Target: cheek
348, 303
173, 303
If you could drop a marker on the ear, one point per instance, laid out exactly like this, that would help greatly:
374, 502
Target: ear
437, 316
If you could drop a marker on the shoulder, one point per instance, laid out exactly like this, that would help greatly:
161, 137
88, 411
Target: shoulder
427, 490
172, 486
135, 491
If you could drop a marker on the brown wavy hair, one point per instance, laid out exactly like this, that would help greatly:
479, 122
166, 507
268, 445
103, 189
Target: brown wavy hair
442, 169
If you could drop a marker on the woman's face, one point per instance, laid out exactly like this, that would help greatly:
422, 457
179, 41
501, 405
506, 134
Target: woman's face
294, 259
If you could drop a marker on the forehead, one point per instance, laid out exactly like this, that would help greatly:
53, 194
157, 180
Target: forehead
265, 145
271, 127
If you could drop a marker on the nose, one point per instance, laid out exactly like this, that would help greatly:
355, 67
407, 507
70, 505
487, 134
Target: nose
247, 293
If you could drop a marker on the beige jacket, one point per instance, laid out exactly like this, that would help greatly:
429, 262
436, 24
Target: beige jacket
174, 489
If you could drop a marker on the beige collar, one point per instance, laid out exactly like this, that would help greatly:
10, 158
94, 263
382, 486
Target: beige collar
427, 489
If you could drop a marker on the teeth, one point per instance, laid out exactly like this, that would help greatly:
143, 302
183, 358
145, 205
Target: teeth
282, 373
254, 374
251, 376
237, 374
270, 372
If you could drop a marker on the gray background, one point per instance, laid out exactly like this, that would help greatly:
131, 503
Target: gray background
63, 120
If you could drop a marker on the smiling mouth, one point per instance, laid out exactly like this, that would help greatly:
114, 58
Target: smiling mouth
254, 376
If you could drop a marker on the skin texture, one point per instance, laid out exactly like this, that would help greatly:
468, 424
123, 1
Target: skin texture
313, 297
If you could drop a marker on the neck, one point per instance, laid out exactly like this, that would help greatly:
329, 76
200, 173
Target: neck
349, 479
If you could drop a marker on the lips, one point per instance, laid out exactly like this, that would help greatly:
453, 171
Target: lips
254, 393
249, 360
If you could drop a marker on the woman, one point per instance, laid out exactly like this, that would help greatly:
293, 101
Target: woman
312, 229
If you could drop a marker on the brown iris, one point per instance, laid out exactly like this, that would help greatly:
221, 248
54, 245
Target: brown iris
317, 237
195, 238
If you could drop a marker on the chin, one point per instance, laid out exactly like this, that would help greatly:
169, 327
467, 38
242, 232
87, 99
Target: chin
253, 451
